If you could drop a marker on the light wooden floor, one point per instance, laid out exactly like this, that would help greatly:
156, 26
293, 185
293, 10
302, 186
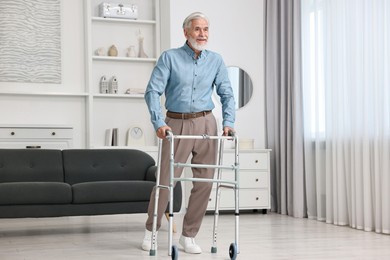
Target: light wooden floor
270, 236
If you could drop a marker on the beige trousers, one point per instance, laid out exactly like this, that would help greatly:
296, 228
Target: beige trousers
203, 152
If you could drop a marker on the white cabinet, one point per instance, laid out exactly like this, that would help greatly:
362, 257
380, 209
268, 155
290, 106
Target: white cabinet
37, 136
120, 110
254, 181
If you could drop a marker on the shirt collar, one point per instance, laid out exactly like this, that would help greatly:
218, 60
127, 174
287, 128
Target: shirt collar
191, 52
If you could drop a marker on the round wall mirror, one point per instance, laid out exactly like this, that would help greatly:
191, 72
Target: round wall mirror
241, 84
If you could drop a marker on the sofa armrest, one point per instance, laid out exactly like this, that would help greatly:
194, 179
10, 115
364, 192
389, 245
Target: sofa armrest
151, 173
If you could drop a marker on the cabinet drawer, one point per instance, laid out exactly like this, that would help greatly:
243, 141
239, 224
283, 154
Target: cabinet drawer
248, 179
249, 199
18, 133
248, 160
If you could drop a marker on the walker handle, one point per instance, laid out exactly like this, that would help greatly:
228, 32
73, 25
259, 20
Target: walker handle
232, 133
168, 133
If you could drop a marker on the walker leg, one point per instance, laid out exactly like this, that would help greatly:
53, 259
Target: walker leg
216, 214
237, 200
153, 247
217, 198
172, 250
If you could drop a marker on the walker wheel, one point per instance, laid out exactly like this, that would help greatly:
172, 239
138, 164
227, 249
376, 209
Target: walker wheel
175, 253
233, 251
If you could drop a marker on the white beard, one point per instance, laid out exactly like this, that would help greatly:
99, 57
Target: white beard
195, 45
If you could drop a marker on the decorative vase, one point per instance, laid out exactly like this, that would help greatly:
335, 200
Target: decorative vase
141, 52
100, 51
131, 52
113, 51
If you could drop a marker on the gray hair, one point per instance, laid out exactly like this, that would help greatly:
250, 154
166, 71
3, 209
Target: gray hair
197, 15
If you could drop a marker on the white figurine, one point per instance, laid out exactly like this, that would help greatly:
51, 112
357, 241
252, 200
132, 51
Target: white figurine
100, 51
131, 52
141, 52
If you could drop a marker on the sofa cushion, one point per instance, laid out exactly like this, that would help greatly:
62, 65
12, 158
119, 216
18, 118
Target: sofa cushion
24, 165
112, 191
86, 165
25, 193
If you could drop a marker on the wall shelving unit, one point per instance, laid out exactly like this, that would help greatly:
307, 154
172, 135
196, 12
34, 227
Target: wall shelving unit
119, 110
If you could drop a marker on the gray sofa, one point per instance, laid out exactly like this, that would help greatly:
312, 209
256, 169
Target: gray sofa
53, 183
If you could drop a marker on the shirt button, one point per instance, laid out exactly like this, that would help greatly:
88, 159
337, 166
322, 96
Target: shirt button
196, 75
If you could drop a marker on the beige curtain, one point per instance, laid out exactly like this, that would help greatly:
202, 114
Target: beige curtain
284, 106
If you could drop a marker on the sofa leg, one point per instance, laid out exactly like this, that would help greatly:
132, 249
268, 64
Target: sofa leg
173, 224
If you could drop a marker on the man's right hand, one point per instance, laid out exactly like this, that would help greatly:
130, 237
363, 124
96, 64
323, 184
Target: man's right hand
162, 131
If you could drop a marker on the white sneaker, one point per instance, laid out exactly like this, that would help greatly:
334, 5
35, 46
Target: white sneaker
147, 242
189, 245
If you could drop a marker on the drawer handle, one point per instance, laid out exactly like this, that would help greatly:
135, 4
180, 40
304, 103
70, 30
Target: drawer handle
256, 161
33, 146
257, 179
257, 198
12, 133
210, 199
53, 133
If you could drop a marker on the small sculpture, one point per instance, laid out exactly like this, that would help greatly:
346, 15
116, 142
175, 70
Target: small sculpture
131, 52
113, 85
141, 52
104, 85
100, 51
113, 51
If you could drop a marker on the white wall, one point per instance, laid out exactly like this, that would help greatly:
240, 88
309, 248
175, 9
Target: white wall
236, 32
58, 110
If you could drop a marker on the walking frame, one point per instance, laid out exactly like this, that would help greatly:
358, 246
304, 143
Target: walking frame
220, 183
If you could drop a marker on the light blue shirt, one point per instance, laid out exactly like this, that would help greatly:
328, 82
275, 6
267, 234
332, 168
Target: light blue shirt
188, 84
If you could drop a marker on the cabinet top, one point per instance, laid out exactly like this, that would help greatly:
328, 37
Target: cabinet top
34, 126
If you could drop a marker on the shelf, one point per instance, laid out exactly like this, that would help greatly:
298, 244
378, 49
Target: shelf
118, 95
126, 59
62, 94
116, 20
72, 94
